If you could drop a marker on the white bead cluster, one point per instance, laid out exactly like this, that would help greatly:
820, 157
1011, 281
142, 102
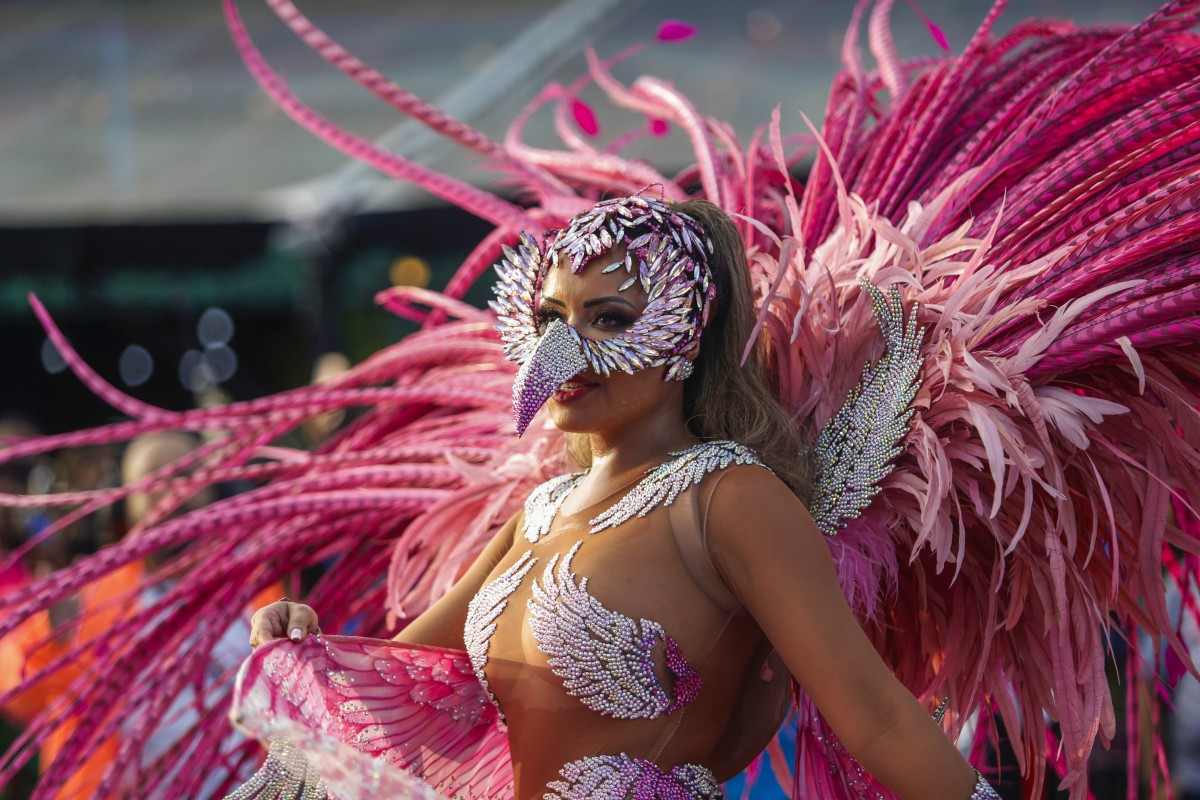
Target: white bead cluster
482, 612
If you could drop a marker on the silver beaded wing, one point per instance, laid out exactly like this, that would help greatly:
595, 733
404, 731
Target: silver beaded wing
543, 503
604, 657
855, 450
667, 481
483, 610
622, 776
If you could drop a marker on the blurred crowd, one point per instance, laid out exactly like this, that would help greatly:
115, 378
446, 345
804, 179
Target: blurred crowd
27, 554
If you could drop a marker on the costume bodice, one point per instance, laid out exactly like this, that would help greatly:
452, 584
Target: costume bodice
595, 616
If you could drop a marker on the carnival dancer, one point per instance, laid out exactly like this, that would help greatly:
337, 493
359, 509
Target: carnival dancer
1006, 239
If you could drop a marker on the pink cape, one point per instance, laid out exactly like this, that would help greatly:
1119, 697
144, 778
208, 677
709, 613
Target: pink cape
370, 718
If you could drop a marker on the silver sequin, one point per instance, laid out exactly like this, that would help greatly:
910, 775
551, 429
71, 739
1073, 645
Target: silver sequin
668, 480
660, 486
604, 657
285, 775
983, 790
543, 503
482, 612
855, 450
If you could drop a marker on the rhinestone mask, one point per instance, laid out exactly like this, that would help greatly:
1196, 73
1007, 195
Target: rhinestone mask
666, 253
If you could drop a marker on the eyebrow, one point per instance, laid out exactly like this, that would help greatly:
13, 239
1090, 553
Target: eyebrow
595, 301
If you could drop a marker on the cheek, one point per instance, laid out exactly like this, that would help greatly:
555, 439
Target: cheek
642, 388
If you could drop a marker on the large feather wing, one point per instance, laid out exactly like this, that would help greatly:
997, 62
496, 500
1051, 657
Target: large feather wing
1034, 195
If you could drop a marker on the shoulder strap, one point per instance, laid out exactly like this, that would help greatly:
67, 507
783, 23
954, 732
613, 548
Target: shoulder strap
691, 537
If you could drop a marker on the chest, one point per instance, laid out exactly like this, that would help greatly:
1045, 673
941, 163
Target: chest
601, 600
595, 618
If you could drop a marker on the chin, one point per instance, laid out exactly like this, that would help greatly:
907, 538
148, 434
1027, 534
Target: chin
571, 422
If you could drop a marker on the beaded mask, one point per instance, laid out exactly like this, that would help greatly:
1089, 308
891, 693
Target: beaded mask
666, 253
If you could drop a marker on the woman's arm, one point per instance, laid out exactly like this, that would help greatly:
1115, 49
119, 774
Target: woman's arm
766, 546
441, 625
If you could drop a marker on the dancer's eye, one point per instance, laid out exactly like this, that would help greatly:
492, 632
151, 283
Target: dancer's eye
544, 316
604, 319
610, 320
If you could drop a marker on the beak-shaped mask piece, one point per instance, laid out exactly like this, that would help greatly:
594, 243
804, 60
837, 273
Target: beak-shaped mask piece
557, 357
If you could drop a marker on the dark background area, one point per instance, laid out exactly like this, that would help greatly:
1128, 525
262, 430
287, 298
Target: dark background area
112, 286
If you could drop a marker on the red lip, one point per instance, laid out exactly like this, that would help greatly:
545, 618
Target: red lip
571, 395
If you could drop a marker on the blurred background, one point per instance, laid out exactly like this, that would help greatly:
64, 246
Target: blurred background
186, 233
197, 245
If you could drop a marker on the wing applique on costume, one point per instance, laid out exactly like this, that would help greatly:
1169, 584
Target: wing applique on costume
483, 610
857, 447
668, 480
543, 503
364, 718
605, 658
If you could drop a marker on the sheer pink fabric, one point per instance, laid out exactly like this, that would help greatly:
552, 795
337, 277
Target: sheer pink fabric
369, 718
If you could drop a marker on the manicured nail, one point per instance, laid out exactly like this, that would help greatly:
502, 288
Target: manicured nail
295, 634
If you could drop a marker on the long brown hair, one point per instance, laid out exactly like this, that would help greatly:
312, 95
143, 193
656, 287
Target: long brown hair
724, 399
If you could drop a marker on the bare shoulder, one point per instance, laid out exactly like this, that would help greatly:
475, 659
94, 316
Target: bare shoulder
751, 506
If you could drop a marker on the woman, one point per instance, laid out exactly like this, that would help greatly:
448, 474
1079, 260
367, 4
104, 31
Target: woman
731, 563
1033, 195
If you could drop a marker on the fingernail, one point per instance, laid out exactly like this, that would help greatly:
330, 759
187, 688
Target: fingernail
295, 634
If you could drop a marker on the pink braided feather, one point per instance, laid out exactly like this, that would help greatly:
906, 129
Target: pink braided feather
452, 191
1034, 195
408, 103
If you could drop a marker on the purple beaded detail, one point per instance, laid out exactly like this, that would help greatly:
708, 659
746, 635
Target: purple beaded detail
604, 658
666, 254
624, 777
687, 680
557, 356
482, 612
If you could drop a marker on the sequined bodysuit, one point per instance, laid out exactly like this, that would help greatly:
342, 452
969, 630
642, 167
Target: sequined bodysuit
593, 637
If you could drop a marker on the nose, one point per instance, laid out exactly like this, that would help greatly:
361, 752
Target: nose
557, 357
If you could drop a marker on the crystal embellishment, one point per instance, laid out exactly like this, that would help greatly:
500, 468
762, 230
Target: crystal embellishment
983, 790
543, 503
660, 486
623, 776
855, 450
668, 480
285, 773
557, 357
483, 610
605, 658
666, 253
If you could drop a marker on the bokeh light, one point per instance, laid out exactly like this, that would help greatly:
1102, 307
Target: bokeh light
52, 360
195, 373
215, 327
410, 271
136, 365
222, 361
